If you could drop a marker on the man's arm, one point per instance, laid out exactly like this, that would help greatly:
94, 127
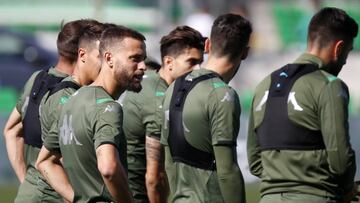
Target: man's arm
49, 165
13, 135
156, 181
231, 181
224, 114
253, 148
113, 173
333, 112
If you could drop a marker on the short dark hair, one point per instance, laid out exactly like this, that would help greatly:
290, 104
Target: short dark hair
69, 36
179, 39
230, 34
330, 24
152, 64
91, 34
115, 34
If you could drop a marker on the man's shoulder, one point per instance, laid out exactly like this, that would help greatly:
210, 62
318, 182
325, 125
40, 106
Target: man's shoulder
32, 78
91, 102
329, 78
207, 85
152, 87
55, 72
103, 101
61, 96
90, 97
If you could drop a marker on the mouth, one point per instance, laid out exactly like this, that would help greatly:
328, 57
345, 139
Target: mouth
138, 77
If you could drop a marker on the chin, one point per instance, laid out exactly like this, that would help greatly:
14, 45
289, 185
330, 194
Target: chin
135, 88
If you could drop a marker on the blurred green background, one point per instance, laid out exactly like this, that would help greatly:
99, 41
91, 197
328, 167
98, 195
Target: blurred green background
279, 36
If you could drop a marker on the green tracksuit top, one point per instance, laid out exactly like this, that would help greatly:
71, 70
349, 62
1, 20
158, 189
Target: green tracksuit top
142, 117
89, 119
319, 102
36, 188
210, 118
50, 110
31, 153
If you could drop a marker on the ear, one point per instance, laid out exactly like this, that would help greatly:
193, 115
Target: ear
108, 59
168, 62
245, 53
207, 45
338, 49
82, 54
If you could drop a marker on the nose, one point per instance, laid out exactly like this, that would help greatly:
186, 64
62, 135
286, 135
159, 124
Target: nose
142, 66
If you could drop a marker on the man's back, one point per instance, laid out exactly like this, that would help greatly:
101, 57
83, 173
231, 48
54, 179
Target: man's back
318, 102
210, 117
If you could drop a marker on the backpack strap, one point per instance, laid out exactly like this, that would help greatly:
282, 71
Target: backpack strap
180, 149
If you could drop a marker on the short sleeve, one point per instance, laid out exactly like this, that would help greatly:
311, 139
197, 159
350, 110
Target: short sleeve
152, 118
224, 116
165, 115
23, 100
49, 118
108, 124
51, 140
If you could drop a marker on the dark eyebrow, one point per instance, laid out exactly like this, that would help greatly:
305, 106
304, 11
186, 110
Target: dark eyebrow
194, 60
138, 56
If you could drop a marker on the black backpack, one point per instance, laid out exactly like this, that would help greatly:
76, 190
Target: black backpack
43, 83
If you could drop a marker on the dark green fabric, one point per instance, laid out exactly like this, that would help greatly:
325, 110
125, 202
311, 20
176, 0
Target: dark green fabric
89, 119
49, 115
142, 116
296, 198
37, 190
211, 121
321, 102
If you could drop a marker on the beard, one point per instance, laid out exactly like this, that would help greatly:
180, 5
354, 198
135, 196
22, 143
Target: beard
130, 82
335, 67
134, 86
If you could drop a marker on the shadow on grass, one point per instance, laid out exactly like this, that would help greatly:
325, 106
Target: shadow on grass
7, 193
252, 193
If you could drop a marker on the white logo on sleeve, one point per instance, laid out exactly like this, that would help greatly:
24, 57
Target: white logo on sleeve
110, 108
67, 135
185, 128
262, 102
24, 107
292, 99
167, 118
227, 97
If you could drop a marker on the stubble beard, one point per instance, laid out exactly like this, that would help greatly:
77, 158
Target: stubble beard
134, 86
128, 82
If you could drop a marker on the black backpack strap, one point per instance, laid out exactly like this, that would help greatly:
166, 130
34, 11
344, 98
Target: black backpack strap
39, 83
63, 85
180, 149
42, 84
277, 131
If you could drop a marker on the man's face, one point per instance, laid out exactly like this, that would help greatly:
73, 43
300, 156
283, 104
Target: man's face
336, 65
129, 64
186, 62
93, 63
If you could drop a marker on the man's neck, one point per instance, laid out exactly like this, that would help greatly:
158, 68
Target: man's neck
221, 66
64, 66
165, 76
106, 81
